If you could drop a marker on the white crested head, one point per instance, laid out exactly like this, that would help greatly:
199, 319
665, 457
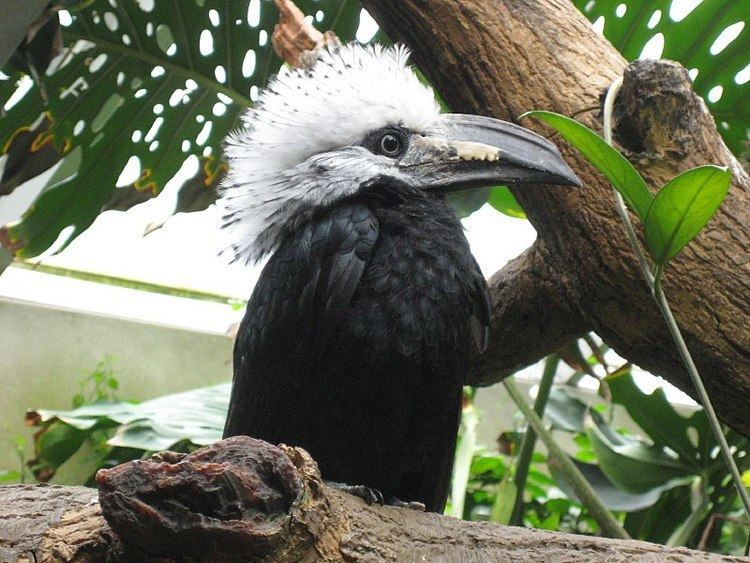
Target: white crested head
301, 145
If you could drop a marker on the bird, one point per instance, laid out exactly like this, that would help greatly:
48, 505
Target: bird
357, 337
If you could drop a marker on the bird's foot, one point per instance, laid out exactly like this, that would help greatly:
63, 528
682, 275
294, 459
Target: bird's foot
412, 505
367, 494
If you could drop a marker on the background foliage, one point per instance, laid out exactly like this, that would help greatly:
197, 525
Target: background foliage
134, 92
139, 86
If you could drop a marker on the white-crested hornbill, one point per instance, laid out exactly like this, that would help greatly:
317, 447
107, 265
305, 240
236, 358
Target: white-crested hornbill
356, 339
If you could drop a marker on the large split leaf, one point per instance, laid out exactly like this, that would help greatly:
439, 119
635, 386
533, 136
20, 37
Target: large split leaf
720, 70
632, 464
147, 83
690, 437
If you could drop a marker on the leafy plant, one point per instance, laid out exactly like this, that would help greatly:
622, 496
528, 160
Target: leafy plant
123, 430
666, 484
673, 217
140, 87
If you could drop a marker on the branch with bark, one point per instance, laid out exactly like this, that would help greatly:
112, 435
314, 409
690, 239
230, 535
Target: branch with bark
242, 499
506, 57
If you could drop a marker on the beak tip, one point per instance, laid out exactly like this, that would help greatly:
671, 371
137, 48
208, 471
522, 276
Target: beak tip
565, 176
572, 180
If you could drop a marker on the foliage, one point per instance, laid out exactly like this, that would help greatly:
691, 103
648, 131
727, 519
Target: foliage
144, 83
679, 210
119, 431
653, 482
139, 82
712, 40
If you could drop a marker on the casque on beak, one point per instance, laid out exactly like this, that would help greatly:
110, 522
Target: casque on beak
471, 151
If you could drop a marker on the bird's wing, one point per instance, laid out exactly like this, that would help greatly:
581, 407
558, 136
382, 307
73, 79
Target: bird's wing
296, 308
479, 322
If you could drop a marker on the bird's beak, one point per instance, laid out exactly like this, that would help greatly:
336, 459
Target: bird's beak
471, 151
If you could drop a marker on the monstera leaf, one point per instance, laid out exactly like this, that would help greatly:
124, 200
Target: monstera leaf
140, 87
712, 40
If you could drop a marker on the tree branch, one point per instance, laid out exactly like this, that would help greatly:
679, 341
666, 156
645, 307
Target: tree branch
243, 499
530, 318
505, 57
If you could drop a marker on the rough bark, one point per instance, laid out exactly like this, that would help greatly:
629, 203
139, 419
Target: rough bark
505, 57
231, 502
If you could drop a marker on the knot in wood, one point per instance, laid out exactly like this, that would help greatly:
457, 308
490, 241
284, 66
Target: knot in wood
657, 113
227, 501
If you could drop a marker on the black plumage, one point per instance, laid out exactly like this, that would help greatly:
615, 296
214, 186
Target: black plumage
356, 340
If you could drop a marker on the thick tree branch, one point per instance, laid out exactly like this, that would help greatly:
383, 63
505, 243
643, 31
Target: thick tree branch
505, 57
245, 500
530, 317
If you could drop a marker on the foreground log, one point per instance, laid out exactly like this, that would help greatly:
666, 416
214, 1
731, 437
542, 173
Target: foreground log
505, 57
242, 499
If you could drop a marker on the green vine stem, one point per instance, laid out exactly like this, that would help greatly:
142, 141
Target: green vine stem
653, 279
610, 527
526, 451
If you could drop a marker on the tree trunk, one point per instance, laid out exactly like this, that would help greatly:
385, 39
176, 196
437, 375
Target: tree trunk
245, 500
504, 57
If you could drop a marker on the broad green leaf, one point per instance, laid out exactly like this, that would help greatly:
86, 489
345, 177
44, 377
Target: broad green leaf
504, 501
150, 84
712, 41
505, 202
682, 208
564, 410
661, 423
656, 524
466, 202
53, 447
633, 465
195, 416
613, 497
615, 167
10, 476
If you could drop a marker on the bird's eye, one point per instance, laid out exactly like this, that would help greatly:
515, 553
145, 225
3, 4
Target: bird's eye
390, 144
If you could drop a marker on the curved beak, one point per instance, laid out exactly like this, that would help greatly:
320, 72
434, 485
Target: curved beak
472, 151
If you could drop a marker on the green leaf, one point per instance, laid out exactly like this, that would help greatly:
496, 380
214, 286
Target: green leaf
54, 446
682, 208
466, 202
633, 465
662, 424
136, 84
613, 497
10, 476
656, 523
197, 416
564, 410
615, 167
505, 202
504, 501
690, 41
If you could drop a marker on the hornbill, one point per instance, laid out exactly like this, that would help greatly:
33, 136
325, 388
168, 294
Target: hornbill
357, 336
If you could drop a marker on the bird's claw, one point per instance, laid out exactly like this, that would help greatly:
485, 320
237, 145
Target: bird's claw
412, 505
367, 494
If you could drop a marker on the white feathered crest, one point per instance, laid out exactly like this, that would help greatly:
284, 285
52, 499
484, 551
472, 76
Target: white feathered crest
299, 149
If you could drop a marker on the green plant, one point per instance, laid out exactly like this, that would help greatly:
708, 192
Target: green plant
143, 86
16, 475
671, 218
665, 482
119, 431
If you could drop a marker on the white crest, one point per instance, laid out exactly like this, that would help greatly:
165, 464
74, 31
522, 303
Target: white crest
299, 149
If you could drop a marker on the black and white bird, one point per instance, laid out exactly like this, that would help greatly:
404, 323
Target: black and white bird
356, 339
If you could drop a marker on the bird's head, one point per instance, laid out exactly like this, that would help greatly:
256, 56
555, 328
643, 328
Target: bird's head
357, 119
